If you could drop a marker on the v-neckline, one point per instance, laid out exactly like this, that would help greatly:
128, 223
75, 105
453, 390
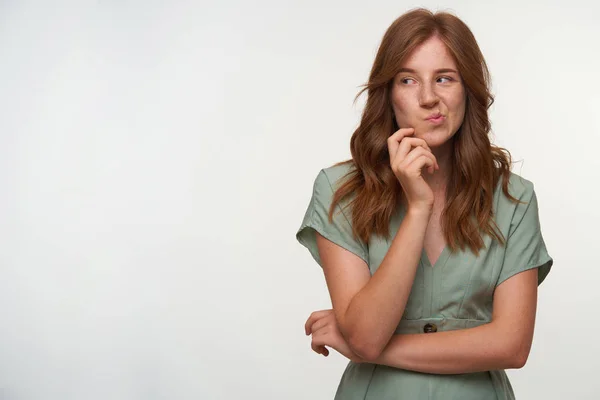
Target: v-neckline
442, 258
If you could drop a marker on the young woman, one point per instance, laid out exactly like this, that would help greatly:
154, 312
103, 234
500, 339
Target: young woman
431, 247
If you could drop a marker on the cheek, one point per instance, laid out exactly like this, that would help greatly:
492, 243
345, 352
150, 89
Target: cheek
457, 106
398, 102
404, 105
459, 116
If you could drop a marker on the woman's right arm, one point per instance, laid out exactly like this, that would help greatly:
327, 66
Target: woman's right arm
369, 308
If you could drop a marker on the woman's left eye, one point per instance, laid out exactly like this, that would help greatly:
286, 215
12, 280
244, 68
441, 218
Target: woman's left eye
445, 77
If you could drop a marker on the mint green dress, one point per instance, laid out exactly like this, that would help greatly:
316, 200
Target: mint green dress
455, 293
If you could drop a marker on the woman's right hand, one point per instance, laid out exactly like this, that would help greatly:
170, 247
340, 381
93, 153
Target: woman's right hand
408, 158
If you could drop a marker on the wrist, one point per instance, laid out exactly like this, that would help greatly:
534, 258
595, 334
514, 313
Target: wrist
420, 211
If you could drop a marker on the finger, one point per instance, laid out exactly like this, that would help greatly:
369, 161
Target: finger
323, 350
408, 144
319, 324
319, 349
317, 346
316, 315
420, 162
416, 153
394, 140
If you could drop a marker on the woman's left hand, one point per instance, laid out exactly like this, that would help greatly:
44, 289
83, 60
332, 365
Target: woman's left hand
325, 332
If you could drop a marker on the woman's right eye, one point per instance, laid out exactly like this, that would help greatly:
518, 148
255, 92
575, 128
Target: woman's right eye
403, 80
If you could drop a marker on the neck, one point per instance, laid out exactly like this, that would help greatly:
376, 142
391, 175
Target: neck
439, 179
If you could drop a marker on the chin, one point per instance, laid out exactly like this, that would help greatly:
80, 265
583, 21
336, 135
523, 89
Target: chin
435, 139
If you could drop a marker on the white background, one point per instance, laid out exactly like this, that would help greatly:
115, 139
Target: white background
156, 160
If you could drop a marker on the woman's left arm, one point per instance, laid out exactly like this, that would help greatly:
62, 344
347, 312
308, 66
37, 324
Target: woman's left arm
501, 344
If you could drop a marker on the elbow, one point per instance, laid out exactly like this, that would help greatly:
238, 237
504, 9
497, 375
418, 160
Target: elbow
368, 353
365, 348
518, 356
363, 341
519, 360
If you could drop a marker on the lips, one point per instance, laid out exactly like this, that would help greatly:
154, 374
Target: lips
436, 119
435, 116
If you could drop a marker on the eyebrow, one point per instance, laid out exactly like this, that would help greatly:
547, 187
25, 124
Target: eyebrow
437, 71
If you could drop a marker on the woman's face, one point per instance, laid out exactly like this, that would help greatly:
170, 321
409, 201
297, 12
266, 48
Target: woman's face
428, 84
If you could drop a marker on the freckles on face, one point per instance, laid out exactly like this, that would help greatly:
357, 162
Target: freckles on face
429, 83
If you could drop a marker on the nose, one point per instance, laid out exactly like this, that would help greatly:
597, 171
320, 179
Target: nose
427, 96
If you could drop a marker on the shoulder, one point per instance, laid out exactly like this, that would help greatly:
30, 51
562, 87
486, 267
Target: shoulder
518, 187
335, 175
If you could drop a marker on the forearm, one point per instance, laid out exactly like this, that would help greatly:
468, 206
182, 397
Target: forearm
483, 348
375, 311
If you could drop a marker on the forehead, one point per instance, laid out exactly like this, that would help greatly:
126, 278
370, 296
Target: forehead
430, 55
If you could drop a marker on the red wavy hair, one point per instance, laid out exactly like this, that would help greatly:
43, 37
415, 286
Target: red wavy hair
476, 163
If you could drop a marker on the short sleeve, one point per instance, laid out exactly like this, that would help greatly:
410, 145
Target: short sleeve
525, 247
316, 219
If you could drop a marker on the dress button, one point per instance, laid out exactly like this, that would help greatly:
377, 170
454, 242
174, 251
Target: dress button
429, 328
